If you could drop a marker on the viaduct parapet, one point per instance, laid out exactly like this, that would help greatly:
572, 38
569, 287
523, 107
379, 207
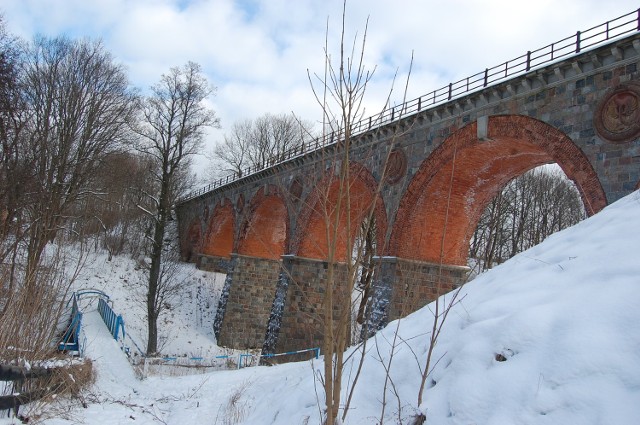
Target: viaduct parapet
444, 165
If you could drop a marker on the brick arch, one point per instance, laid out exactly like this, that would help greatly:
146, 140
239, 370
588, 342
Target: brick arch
219, 239
264, 232
476, 171
191, 241
311, 241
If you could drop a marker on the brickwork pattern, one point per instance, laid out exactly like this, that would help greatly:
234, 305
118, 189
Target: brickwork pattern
264, 231
442, 205
219, 238
320, 209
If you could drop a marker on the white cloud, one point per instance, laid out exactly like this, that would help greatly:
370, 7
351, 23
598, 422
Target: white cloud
257, 52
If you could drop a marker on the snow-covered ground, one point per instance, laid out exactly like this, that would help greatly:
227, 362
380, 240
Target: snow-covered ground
550, 337
185, 328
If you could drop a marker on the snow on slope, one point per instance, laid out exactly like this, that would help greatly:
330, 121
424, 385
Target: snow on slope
563, 316
185, 329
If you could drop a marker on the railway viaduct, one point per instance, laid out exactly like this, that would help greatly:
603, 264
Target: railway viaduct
439, 160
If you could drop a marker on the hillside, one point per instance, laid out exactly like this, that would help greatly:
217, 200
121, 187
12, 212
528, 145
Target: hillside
550, 337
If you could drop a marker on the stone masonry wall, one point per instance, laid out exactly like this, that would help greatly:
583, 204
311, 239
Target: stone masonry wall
213, 263
417, 283
301, 325
249, 304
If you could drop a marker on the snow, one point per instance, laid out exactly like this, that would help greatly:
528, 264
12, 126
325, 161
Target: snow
550, 337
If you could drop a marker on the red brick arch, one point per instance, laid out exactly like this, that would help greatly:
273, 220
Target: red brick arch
264, 232
219, 239
312, 239
475, 171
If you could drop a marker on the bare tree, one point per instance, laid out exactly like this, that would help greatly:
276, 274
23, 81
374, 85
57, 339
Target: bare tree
261, 142
171, 130
112, 217
527, 210
340, 93
80, 107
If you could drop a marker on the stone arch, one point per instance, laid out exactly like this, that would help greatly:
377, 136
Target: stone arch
264, 233
220, 236
311, 241
472, 172
191, 241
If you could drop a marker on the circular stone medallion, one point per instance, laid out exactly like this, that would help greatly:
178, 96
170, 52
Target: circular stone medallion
396, 167
617, 118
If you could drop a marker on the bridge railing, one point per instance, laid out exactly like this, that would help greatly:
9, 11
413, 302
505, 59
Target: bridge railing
114, 322
533, 59
71, 339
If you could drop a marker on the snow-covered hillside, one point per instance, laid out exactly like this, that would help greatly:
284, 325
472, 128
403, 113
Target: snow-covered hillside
550, 337
185, 329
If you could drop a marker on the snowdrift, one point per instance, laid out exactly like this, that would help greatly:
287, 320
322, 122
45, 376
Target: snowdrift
550, 337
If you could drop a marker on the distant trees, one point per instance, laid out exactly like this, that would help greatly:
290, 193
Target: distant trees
170, 131
262, 141
529, 209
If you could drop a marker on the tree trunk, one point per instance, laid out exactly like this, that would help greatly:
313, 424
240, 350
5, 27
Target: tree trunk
156, 263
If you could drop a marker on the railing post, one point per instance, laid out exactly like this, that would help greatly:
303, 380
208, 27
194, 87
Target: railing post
486, 76
528, 60
419, 103
578, 42
639, 19
450, 90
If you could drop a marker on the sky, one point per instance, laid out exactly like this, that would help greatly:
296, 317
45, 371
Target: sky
258, 54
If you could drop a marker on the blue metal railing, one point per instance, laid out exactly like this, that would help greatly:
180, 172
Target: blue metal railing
71, 338
268, 356
533, 59
241, 357
114, 322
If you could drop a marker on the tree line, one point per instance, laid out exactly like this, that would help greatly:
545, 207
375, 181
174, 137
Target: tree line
85, 156
83, 153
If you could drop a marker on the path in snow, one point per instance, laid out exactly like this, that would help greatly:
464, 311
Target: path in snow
110, 362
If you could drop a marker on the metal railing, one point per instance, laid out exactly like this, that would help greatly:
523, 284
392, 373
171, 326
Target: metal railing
114, 322
242, 357
533, 59
71, 338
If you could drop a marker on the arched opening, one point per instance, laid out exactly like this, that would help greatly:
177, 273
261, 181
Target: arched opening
264, 233
446, 198
526, 211
219, 239
323, 228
